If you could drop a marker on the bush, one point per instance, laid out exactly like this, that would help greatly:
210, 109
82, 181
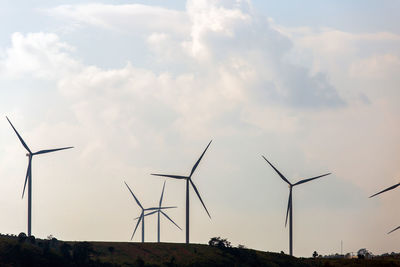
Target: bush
219, 242
22, 237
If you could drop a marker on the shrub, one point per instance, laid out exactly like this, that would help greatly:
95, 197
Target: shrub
22, 237
219, 242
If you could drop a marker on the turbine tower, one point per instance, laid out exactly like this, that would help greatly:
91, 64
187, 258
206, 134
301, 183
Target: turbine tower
188, 183
289, 211
142, 215
28, 177
159, 211
388, 189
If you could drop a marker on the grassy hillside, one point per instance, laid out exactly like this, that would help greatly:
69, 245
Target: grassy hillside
16, 251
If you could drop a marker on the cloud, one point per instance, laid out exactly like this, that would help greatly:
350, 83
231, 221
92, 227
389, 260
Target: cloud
41, 55
125, 18
219, 39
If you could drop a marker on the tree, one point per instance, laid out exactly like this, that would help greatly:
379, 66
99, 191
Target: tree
22, 237
219, 242
315, 254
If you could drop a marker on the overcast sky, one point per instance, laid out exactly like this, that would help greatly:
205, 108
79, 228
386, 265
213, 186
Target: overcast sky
142, 86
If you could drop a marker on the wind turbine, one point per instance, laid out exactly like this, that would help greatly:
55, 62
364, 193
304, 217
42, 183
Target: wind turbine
28, 177
388, 189
159, 211
142, 215
189, 181
290, 207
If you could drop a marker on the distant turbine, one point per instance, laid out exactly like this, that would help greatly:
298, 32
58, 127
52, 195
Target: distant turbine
158, 211
28, 177
290, 208
142, 215
388, 189
189, 180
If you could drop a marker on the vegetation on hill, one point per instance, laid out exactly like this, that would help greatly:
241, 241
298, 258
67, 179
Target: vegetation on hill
28, 251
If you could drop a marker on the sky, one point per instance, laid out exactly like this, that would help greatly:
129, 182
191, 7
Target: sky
139, 87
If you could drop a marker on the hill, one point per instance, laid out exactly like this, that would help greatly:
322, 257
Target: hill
23, 251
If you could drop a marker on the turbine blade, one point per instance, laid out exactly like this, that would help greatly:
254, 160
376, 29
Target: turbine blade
198, 194
280, 174
163, 213
160, 208
151, 213
28, 172
51, 150
394, 229
387, 189
310, 179
289, 206
140, 218
19, 137
162, 194
170, 176
137, 201
198, 161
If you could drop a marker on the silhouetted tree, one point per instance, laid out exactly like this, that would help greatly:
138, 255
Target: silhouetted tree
111, 249
315, 254
21, 237
219, 242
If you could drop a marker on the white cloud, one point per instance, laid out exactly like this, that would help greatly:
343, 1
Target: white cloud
41, 55
125, 18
